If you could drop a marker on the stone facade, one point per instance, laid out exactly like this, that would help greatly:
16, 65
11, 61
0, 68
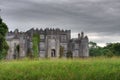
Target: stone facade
79, 46
49, 45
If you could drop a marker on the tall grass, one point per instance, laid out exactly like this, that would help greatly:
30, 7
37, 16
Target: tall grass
61, 69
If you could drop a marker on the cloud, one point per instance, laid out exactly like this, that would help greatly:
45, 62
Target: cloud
91, 16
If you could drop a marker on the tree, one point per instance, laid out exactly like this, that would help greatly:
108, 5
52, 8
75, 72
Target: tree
35, 41
114, 48
3, 44
94, 50
92, 44
108, 51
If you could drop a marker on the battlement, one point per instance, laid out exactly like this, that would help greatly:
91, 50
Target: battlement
49, 30
16, 31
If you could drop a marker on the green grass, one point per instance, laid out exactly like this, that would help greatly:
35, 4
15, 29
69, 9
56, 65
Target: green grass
61, 69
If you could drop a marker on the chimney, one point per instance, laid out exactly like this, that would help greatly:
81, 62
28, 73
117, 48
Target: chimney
79, 36
82, 34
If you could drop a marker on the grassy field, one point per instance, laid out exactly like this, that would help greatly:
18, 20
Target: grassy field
61, 69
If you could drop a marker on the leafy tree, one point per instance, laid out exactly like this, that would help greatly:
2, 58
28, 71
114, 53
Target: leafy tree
109, 50
35, 41
3, 44
94, 50
114, 48
108, 53
92, 44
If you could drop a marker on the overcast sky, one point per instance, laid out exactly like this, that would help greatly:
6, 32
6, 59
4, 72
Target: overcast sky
99, 19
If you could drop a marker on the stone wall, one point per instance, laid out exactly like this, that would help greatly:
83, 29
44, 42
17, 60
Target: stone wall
50, 42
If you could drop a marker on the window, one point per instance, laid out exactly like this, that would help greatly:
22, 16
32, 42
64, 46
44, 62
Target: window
42, 46
42, 37
76, 46
63, 38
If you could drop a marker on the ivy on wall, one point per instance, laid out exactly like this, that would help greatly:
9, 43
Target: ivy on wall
35, 41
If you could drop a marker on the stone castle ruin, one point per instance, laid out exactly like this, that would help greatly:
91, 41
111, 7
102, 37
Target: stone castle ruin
51, 40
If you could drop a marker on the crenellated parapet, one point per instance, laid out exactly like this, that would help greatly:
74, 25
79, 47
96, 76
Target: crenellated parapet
48, 31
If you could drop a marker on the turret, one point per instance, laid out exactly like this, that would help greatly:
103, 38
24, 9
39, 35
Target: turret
86, 37
16, 31
82, 34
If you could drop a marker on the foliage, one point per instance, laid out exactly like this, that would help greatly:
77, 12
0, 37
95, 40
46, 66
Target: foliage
114, 48
95, 50
29, 53
35, 41
99, 51
61, 51
110, 50
3, 44
54, 69
109, 54
69, 54
92, 44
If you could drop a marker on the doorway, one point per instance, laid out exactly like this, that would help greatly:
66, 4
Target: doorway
53, 53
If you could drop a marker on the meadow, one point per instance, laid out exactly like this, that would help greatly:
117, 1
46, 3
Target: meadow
61, 69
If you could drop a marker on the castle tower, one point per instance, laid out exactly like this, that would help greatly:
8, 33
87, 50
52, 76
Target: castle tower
23, 47
84, 49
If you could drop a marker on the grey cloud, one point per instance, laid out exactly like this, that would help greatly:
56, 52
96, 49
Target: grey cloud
91, 16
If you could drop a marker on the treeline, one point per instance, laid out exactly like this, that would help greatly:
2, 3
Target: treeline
111, 49
3, 44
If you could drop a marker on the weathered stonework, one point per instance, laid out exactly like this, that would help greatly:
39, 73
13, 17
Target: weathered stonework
49, 45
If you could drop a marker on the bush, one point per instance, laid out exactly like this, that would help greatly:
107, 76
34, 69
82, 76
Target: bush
69, 54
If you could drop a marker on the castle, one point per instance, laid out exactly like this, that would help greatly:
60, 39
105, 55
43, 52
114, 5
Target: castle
51, 40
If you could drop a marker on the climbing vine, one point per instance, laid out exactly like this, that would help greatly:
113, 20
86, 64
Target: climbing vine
35, 41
